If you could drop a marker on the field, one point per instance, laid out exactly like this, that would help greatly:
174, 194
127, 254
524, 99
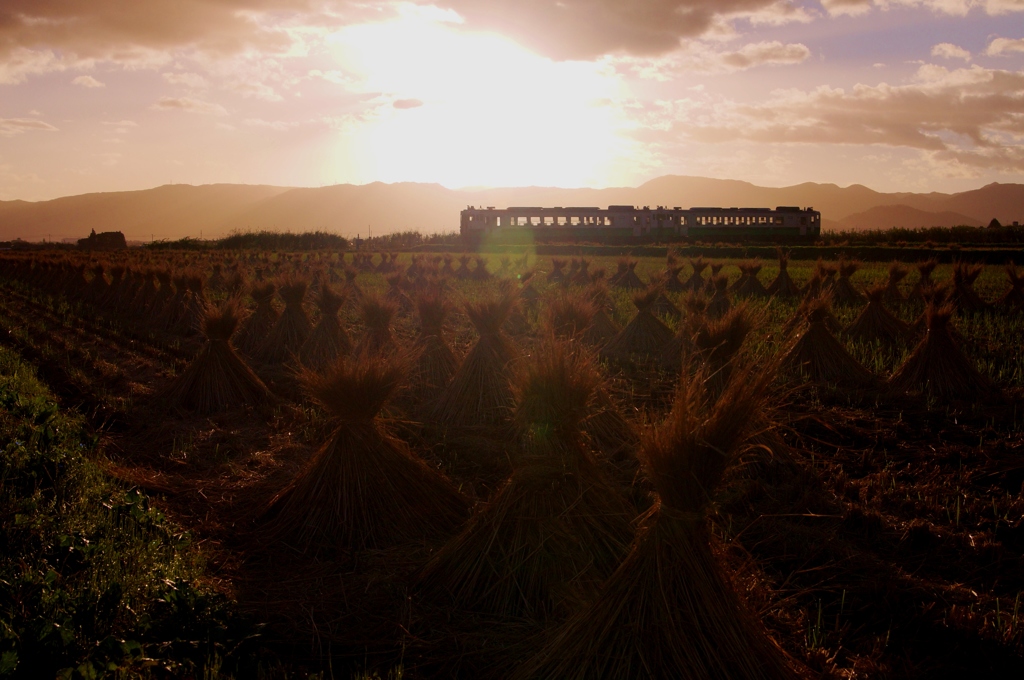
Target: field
868, 525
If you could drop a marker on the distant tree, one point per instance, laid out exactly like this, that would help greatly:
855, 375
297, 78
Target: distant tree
994, 224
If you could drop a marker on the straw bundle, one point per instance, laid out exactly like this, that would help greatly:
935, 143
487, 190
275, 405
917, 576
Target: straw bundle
876, 323
328, 341
146, 294
676, 352
377, 313
435, 361
480, 393
397, 296
569, 314
446, 269
292, 328
1013, 299
924, 279
527, 293
582, 277
217, 379
556, 275
621, 267
644, 337
98, 288
556, 529
800, 315
783, 286
719, 304
843, 292
480, 272
629, 280
696, 281
216, 281
258, 324
963, 297
748, 285
821, 358
936, 295
463, 272
193, 306
363, 488
174, 309
937, 367
897, 272
718, 342
672, 282
163, 295
662, 306
667, 611
602, 327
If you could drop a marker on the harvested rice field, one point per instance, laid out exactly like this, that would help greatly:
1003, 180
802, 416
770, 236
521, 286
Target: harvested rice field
427, 465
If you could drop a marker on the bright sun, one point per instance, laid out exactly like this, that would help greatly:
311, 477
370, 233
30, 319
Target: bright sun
492, 113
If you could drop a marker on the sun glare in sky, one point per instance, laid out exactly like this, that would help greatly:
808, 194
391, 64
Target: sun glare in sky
473, 109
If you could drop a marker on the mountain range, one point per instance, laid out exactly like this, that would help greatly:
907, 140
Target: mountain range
214, 210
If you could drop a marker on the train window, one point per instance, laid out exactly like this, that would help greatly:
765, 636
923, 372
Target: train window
803, 220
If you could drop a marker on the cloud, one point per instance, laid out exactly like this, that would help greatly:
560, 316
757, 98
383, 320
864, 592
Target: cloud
949, 7
87, 81
950, 51
586, 29
9, 127
256, 90
407, 103
969, 116
193, 80
756, 54
1005, 46
846, 7
703, 57
189, 105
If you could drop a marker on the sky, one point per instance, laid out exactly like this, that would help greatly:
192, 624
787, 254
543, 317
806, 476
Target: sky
897, 95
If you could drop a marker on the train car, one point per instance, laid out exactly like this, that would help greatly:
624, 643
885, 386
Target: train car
627, 224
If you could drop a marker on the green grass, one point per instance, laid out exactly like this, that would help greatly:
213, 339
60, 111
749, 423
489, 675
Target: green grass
93, 580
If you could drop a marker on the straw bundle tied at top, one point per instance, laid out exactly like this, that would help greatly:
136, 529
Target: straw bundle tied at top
602, 327
924, 278
821, 358
843, 292
897, 272
292, 328
193, 306
328, 341
668, 611
480, 394
258, 324
557, 528
644, 337
783, 285
696, 281
938, 368
377, 314
217, 379
363, 488
963, 296
1013, 299
718, 341
876, 323
435, 362
569, 314
719, 304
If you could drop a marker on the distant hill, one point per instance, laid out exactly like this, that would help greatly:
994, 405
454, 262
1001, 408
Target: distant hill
215, 210
885, 216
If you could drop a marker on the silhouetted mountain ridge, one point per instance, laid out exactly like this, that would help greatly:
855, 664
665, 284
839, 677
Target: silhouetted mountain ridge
214, 210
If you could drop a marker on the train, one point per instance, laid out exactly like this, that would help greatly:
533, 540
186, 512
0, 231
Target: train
629, 224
